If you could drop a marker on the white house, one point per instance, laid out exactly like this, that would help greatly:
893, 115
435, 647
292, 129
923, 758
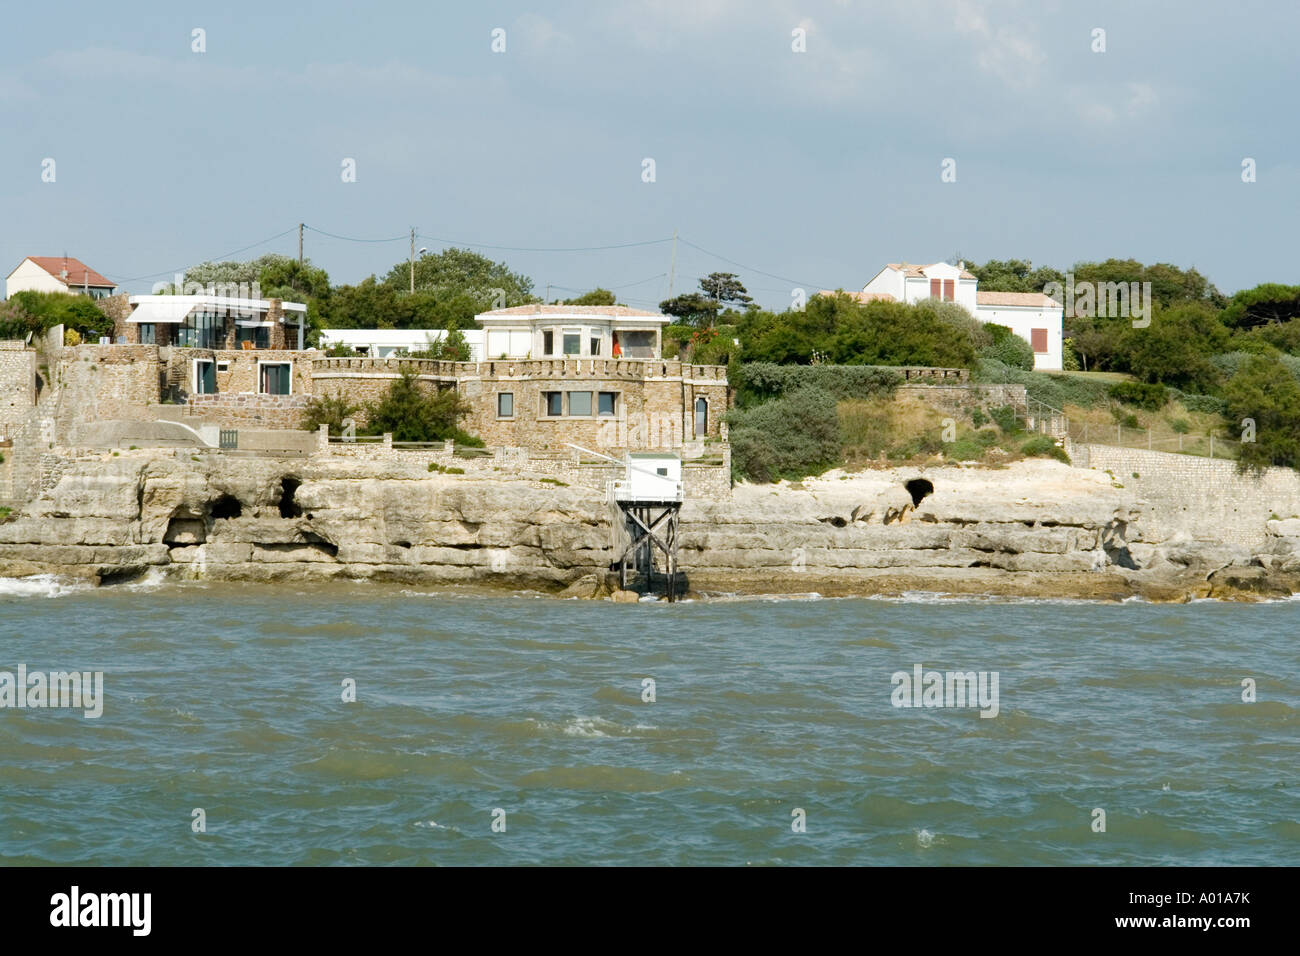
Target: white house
382, 343
575, 331
1033, 316
57, 274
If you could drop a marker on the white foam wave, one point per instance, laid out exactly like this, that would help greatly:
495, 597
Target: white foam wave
39, 585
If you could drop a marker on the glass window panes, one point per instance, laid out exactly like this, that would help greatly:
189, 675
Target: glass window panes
572, 343
580, 403
505, 404
608, 403
553, 402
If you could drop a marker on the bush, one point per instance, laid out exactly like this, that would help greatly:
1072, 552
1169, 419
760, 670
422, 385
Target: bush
1181, 426
1005, 418
1044, 446
1142, 394
759, 381
411, 414
792, 436
1054, 390
1205, 404
978, 418
329, 410
1008, 348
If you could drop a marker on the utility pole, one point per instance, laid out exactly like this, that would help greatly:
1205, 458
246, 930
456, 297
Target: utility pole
299, 247
547, 300
412, 259
672, 269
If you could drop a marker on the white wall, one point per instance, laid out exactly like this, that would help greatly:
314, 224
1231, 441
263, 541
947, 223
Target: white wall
29, 277
1021, 320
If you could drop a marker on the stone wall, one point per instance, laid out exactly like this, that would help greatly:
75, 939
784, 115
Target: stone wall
1203, 499
17, 386
105, 382
234, 409
960, 398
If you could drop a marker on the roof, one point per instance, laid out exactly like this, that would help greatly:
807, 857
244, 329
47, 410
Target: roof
913, 271
860, 296
177, 307
1034, 300
394, 337
614, 311
79, 274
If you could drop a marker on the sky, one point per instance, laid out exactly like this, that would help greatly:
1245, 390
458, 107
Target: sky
796, 170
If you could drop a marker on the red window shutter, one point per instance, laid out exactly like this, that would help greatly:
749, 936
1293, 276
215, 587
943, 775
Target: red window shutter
934, 288
947, 290
1039, 339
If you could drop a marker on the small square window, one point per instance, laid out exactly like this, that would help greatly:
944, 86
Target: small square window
572, 343
608, 403
553, 403
580, 403
505, 404
548, 342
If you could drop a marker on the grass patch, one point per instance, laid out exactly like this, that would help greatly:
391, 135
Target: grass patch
554, 481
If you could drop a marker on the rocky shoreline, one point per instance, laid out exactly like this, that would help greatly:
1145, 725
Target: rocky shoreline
1035, 529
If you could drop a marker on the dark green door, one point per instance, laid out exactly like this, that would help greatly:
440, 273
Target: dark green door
206, 379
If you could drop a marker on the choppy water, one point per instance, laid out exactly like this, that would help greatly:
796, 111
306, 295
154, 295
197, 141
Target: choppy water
229, 699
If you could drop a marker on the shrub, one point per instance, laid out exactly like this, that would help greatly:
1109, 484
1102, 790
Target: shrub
1005, 418
762, 380
331, 410
1008, 348
1142, 394
1181, 426
1055, 390
978, 418
411, 414
1044, 446
1205, 404
792, 436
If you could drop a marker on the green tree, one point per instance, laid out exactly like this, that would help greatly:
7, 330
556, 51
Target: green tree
1013, 275
1176, 348
411, 414
1267, 304
39, 311
461, 272
594, 297
691, 308
1264, 392
725, 289
332, 410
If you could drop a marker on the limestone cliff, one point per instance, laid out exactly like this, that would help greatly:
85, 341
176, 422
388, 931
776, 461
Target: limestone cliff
1035, 529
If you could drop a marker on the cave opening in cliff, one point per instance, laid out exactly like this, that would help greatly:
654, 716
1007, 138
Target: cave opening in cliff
227, 506
919, 489
288, 507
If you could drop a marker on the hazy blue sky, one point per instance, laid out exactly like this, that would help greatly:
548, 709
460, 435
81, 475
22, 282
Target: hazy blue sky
816, 167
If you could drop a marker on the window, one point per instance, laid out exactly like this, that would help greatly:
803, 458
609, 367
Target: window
553, 403
701, 417
505, 404
608, 403
936, 287
147, 333
273, 378
259, 336
580, 403
595, 345
947, 289
205, 378
223, 366
572, 343
202, 330
548, 342
1038, 338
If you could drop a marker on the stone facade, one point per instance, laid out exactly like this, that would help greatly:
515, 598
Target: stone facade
1204, 499
653, 401
17, 386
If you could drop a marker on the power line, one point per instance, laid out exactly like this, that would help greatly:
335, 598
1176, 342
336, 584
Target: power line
741, 265
480, 245
353, 238
212, 258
